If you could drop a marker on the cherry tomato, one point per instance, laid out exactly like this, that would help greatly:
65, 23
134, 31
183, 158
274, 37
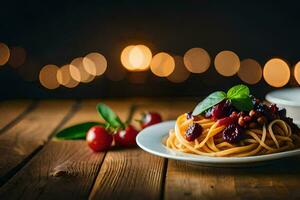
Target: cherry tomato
99, 139
150, 118
126, 138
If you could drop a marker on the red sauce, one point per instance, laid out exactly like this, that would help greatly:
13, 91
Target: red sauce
227, 121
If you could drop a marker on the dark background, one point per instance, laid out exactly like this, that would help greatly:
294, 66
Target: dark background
55, 32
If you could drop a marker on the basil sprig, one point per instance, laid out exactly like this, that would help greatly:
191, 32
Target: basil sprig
78, 131
109, 116
213, 99
238, 91
239, 96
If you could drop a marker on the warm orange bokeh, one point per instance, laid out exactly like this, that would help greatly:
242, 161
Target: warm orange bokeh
136, 57
17, 56
180, 73
196, 60
4, 54
276, 72
250, 71
47, 76
95, 64
227, 63
297, 72
64, 77
78, 72
162, 64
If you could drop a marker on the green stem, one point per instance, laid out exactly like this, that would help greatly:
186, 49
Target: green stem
130, 115
107, 126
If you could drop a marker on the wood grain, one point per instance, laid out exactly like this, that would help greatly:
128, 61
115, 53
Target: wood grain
135, 174
11, 110
69, 169
62, 170
65, 169
33, 131
129, 174
278, 180
188, 181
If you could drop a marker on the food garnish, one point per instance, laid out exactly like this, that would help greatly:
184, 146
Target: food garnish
235, 124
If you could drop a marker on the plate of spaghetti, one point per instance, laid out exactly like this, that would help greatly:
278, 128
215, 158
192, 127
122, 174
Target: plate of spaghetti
225, 129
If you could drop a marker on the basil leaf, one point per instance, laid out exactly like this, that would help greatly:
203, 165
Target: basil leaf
213, 99
109, 116
238, 91
243, 103
76, 132
240, 98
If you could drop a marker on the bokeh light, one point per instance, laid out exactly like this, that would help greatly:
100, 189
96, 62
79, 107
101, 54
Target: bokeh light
47, 76
78, 71
17, 56
136, 57
227, 63
250, 71
162, 64
196, 60
125, 57
95, 64
4, 53
297, 72
64, 77
140, 57
180, 73
276, 72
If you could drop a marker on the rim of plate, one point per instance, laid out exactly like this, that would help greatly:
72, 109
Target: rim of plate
150, 140
277, 97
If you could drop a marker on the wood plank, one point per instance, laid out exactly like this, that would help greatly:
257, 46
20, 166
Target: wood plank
66, 169
130, 174
32, 132
278, 180
188, 181
62, 170
12, 110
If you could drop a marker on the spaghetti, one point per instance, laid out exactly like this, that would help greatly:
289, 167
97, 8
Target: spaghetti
275, 137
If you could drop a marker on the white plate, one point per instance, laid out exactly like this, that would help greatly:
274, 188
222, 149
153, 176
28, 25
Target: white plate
151, 140
289, 99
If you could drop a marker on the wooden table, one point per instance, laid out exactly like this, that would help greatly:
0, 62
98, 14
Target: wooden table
33, 166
